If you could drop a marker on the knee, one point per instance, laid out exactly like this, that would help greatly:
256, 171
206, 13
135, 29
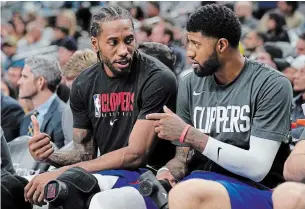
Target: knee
289, 195
197, 191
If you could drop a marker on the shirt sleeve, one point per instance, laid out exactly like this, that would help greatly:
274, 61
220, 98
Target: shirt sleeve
183, 103
159, 90
273, 108
79, 108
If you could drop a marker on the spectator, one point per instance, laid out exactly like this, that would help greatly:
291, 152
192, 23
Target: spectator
6, 160
300, 46
268, 53
153, 9
60, 33
40, 79
14, 73
244, 10
143, 33
67, 47
298, 86
11, 117
8, 46
293, 17
160, 52
80, 61
163, 33
137, 13
67, 19
7, 89
19, 27
33, 39
276, 28
252, 41
288, 9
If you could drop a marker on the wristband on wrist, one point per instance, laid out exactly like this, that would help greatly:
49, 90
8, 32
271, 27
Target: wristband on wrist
162, 169
182, 137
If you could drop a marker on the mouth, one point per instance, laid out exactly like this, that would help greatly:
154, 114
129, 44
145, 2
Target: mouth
195, 65
122, 64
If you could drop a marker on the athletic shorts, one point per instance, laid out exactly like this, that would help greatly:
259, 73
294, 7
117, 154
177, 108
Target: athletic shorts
129, 178
241, 194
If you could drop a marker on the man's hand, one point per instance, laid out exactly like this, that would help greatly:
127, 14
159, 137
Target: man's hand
167, 175
40, 145
34, 190
168, 125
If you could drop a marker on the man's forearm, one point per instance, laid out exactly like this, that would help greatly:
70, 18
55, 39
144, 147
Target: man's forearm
196, 139
64, 158
177, 168
294, 169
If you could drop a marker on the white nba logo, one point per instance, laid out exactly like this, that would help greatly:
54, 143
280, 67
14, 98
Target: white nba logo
97, 105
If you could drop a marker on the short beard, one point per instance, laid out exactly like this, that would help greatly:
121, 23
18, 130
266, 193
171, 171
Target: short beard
116, 72
209, 67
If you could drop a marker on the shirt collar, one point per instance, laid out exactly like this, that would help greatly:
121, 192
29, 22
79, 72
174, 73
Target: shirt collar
44, 108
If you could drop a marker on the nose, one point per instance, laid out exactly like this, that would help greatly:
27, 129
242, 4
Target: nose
122, 50
190, 54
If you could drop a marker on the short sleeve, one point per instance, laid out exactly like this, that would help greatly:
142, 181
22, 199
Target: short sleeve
271, 118
160, 89
183, 103
79, 108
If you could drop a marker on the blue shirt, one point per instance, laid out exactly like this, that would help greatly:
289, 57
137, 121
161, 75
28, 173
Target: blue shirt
44, 108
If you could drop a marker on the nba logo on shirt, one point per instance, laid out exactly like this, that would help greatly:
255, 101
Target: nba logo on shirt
97, 104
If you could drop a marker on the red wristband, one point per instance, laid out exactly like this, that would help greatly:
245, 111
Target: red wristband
182, 137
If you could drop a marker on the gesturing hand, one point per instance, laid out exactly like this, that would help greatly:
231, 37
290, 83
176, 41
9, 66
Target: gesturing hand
40, 145
168, 125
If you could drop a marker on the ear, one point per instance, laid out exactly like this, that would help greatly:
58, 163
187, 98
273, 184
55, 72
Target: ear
222, 45
40, 82
94, 43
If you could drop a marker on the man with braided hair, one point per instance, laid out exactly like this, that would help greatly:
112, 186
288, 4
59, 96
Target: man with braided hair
110, 101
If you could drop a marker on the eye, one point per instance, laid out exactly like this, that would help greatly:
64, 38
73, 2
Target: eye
113, 42
129, 40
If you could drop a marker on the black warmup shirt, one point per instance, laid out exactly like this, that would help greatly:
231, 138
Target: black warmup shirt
111, 106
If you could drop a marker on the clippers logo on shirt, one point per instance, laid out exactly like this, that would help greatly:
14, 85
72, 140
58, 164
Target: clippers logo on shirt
221, 119
112, 104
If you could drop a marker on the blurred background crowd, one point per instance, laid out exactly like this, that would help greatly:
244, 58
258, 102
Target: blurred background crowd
272, 33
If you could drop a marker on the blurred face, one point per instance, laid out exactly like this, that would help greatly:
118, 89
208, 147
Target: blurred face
264, 57
116, 46
9, 50
58, 34
283, 7
271, 24
28, 84
251, 41
64, 55
142, 36
4, 89
152, 11
202, 52
157, 34
299, 80
290, 73
69, 80
13, 75
300, 47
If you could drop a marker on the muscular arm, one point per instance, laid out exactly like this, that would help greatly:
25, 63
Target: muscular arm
84, 149
132, 156
178, 165
294, 169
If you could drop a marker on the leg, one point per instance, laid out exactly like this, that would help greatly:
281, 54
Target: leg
122, 198
289, 195
199, 194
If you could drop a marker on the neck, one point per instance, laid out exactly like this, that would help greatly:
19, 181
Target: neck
303, 96
41, 98
108, 71
231, 67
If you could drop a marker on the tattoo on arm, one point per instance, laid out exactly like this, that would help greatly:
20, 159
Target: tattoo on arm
178, 165
197, 139
84, 149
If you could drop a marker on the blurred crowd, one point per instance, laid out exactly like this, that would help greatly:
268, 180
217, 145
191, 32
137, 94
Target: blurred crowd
272, 33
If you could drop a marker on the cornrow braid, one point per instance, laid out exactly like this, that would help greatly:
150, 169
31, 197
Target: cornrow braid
107, 14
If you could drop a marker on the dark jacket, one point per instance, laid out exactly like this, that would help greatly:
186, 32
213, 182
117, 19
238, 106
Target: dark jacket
11, 116
51, 123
